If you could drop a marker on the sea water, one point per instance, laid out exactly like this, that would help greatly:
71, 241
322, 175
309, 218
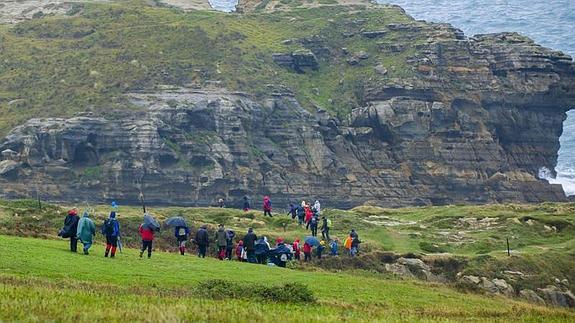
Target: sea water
550, 23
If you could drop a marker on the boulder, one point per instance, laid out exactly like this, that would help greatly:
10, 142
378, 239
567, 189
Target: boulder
298, 61
553, 295
470, 280
532, 297
503, 287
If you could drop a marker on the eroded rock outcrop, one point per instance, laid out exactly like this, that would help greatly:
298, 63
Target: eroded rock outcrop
472, 122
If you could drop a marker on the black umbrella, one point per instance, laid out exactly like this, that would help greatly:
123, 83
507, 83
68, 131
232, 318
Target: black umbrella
151, 223
176, 221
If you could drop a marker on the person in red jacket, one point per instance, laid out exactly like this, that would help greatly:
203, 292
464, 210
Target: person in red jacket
307, 252
240, 250
147, 235
296, 251
308, 215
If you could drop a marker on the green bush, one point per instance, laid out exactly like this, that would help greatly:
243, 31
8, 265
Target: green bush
287, 293
430, 247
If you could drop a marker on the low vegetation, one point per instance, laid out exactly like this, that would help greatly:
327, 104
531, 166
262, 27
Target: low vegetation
87, 60
40, 280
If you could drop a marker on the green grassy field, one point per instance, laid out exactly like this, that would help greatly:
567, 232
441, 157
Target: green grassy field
466, 239
40, 280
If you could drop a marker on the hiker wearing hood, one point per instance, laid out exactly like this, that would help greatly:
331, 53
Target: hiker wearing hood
313, 223
320, 249
307, 252
147, 236
111, 229
262, 247
202, 240
300, 214
292, 210
230, 235
240, 251
86, 231
247, 205
221, 241
70, 229
249, 244
334, 246
317, 207
308, 215
354, 246
280, 254
325, 228
296, 249
181, 234
267, 206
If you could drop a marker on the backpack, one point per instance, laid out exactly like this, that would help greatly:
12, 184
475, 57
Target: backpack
108, 228
181, 231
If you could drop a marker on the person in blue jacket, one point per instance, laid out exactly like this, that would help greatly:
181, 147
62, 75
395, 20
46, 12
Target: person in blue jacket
111, 229
300, 211
181, 233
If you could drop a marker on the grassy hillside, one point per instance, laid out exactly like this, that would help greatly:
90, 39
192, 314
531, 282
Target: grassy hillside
85, 61
40, 280
467, 239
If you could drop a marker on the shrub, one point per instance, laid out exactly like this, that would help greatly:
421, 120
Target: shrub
287, 293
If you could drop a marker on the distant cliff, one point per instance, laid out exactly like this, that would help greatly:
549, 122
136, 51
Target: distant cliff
379, 109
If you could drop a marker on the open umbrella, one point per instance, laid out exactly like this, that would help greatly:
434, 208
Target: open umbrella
151, 223
176, 221
312, 241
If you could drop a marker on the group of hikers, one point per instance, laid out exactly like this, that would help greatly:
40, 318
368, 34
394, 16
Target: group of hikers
250, 248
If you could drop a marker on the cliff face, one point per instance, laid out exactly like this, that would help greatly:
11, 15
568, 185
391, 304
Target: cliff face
473, 122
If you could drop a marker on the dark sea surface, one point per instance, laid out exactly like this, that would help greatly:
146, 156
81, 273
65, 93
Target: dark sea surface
550, 23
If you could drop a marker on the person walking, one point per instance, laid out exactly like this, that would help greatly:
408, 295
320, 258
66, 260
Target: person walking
86, 231
308, 216
230, 235
267, 206
240, 250
221, 242
313, 223
262, 247
202, 240
317, 208
292, 210
247, 206
334, 246
182, 233
300, 214
325, 228
320, 249
111, 229
347, 244
307, 252
296, 249
147, 235
354, 246
71, 229
249, 244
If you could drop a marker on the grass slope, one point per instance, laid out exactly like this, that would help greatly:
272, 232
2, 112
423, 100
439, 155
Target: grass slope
40, 280
467, 239
86, 61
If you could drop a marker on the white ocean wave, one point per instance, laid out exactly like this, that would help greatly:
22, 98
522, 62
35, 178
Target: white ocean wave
567, 181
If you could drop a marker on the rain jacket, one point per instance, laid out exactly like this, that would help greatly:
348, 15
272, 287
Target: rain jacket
70, 225
221, 237
267, 204
249, 241
239, 249
86, 229
317, 207
347, 242
146, 233
306, 248
295, 246
202, 238
308, 214
262, 246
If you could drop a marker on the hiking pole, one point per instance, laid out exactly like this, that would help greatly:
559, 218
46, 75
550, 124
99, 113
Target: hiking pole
508, 251
142, 200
